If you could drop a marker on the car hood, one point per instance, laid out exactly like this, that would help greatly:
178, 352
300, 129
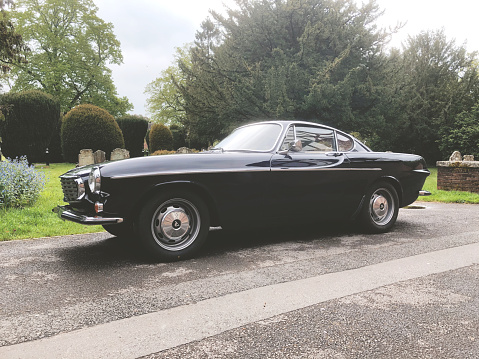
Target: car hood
185, 163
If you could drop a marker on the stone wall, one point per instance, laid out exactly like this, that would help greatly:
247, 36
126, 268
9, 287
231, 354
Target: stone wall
458, 175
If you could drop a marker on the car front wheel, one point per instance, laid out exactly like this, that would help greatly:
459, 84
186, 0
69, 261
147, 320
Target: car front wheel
380, 208
174, 226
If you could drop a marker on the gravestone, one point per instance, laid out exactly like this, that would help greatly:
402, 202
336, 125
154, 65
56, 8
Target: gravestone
455, 157
85, 158
119, 154
99, 156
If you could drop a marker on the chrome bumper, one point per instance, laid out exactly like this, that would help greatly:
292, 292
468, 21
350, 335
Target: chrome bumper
68, 214
424, 193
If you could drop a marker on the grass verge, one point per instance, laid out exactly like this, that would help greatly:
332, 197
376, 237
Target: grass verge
446, 196
39, 220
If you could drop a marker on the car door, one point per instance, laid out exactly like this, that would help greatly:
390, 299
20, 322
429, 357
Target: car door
309, 175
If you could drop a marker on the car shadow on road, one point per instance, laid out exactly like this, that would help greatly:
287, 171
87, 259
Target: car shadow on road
114, 251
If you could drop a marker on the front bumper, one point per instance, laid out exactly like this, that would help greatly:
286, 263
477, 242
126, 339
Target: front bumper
69, 214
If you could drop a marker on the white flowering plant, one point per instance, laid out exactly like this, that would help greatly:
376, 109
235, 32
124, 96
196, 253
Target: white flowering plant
20, 184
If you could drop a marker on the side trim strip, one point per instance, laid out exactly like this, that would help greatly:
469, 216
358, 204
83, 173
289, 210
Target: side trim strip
275, 169
187, 172
293, 169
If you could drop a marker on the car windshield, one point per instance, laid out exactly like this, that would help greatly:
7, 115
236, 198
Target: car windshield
260, 137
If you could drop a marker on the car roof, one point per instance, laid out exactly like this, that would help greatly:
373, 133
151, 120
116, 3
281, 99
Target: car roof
286, 123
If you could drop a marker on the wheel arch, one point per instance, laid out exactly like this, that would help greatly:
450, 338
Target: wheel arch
188, 186
393, 181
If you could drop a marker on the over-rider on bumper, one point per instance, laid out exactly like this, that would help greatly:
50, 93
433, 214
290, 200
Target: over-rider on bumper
69, 214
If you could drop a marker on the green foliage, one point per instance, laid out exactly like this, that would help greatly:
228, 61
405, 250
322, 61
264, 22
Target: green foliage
55, 146
463, 136
71, 48
89, 127
430, 83
20, 184
30, 120
179, 136
165, 102
160, 138
12, 47
134, 129
284, 59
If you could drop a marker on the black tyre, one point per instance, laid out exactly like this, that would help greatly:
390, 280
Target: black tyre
174, 225
122, 230
380, 208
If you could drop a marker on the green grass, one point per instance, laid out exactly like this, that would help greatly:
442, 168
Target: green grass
446, 196
39, 220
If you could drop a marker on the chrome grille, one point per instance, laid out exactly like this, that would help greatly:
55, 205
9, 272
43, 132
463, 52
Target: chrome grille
73, 188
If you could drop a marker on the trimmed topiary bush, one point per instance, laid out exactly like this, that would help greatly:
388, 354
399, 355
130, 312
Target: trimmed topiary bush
160, 138
29, 122
179, 136
134, 129
55, 146
89, 127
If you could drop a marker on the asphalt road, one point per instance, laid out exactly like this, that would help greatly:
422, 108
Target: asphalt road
324, 292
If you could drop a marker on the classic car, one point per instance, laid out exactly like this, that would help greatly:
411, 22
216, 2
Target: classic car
267, 173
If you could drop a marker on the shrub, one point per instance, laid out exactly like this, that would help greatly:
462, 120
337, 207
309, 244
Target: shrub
179, 136
29, 122
89, 127
134, 129
163, 152
20, 184
55, 145
160, 138
463, 136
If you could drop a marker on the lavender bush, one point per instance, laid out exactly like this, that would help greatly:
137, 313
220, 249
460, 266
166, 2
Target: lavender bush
20, 184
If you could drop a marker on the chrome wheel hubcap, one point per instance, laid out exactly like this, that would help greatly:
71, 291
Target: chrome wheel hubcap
175, 224
381, 206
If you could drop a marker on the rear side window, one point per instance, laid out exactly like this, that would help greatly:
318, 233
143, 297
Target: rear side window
345, 143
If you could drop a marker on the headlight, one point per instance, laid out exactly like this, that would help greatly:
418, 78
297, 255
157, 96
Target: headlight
94, 180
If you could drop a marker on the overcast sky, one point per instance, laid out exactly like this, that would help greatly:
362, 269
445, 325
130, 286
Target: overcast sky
151, 30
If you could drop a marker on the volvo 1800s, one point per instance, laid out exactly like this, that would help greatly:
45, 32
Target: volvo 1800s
262, 174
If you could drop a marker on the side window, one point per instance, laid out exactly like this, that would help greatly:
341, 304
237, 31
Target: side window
345, 143
315, 139
288, 139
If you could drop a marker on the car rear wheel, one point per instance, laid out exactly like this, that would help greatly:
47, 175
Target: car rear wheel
174, 226
380, 208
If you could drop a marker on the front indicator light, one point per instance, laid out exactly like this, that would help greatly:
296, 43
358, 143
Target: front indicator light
98, 207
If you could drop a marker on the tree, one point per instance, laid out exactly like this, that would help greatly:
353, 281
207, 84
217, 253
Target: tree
71, 48
463, 135
310, 59
12, 47
433, 80
165, 103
